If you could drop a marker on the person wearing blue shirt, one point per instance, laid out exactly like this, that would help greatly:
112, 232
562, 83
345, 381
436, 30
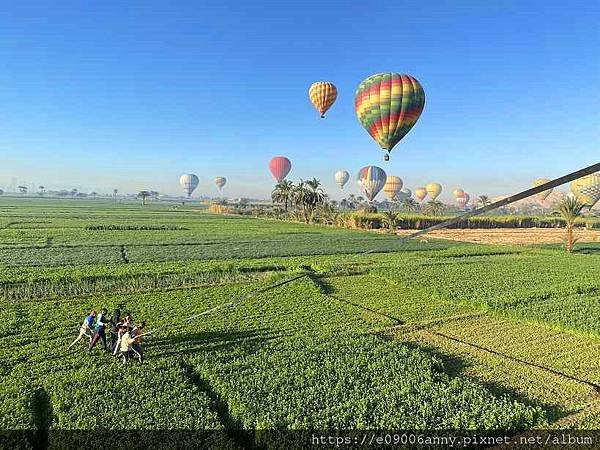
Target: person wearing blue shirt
86, 329
100, 330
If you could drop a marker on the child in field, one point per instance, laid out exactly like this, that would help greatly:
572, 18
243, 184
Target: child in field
86, 328
100, 331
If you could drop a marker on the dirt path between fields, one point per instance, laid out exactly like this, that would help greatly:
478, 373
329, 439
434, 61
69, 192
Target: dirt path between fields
511, 236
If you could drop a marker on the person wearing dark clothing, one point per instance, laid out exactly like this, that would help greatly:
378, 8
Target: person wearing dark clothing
100, 331
115, 324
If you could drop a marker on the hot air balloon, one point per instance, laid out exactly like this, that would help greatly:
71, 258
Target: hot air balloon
434, 190
322, 94
463, 199
220, 182
420, 193
280, 166
392, 186
587, 189
457, 192
341, 178
189, 182
371, 180
388, 105
544, 194
404, 194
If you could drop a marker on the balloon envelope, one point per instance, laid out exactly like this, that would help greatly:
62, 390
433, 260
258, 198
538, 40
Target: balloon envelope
189, 182
420, 193
280, 166
458, 192
388, 105
587, 189
341, 178
403, 194
220, 182
434, 190
322, 94
371, 180
392, 186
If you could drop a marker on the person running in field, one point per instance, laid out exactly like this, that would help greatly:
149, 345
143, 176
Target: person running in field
137, 334
115, 324
100, 331
87, 328
125, 326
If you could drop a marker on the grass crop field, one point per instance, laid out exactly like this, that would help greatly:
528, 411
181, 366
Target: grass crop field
372, 332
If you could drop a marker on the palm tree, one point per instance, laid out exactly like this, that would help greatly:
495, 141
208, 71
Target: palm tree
308, 195
570, 209
409, 205
42, 189
434, 208
283, 193
483, 200
143, 195
22, 189
389, 219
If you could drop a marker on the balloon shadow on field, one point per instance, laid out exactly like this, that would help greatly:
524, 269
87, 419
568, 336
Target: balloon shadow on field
210, 341
456, 366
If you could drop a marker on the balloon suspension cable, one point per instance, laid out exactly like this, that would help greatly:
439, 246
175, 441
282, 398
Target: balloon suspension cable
511, 199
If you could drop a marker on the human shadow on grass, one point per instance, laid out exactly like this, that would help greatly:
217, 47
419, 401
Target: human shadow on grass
209, 341
456, 366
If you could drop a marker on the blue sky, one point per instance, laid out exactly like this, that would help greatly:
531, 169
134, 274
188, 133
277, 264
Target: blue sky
98, 95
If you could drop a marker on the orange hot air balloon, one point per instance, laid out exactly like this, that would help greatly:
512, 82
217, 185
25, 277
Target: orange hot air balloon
322, 94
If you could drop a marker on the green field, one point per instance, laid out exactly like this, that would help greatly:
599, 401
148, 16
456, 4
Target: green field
378, 333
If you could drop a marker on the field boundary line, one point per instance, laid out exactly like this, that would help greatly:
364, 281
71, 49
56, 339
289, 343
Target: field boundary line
418, 326
594, 386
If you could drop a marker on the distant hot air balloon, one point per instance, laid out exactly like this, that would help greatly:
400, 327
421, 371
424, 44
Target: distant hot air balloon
220, 182
587, 189
544, 194
388, 105
322, 94
341, 178
420, 193
392, 186
371, 180
280, 166
457, 192
463, 199
189, 182
404, 194
434, 190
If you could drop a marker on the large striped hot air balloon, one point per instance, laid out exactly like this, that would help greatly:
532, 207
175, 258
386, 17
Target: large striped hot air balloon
544, 194
433, 190
189, 182
280, 166
392, 186
388, 105
371, 180
220, 182
587, 189
420, 193
322, 94
341, 178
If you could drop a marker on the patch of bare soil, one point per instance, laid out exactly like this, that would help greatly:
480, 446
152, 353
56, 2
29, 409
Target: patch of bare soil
511, 236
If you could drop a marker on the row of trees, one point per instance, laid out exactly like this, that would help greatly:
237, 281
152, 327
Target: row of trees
306, 196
